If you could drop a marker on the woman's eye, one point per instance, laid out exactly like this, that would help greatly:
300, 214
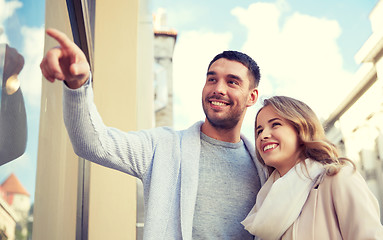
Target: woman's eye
259, 132
276, 124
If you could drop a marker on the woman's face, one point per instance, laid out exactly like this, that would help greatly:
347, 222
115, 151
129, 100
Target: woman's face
276, 140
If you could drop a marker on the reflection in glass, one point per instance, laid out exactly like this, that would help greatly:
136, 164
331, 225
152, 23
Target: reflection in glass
21, 50
13, 125
14, 199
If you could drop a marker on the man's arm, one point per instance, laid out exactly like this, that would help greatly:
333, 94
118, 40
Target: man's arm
129, 152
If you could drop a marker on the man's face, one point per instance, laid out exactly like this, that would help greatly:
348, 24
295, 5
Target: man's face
227, 94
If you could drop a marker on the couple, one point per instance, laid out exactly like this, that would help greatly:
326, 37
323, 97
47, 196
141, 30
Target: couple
203, 182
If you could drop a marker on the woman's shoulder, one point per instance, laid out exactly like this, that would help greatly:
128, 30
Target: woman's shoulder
346, 171
348, 177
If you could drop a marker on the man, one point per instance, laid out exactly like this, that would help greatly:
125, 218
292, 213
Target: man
198, 183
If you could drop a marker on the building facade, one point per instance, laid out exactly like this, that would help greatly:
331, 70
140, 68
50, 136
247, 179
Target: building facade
100, 203
14, 209
7, 221
356, 126
164, 42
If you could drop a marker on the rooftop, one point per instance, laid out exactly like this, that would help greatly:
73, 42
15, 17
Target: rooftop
13, 185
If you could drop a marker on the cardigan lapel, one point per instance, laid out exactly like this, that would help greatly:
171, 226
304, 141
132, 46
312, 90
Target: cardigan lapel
190, 155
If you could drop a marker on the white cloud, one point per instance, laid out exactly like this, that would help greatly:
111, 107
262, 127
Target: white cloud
7, 9
30, 77
192, 54
300, 56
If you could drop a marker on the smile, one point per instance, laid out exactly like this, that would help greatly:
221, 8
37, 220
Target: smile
270, 146
215, 103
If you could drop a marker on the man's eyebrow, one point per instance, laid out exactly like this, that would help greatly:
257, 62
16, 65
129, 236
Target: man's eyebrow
211, 73
234, 76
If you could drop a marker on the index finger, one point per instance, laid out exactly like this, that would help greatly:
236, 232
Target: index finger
60, 37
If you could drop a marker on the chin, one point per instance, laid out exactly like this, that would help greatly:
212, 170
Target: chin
223, 123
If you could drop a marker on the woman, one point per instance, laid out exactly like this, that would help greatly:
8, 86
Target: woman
311, 192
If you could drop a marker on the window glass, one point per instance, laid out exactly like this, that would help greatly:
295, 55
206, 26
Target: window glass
21, 50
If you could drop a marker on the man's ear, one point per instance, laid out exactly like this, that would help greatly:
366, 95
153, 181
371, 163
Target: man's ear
253, 97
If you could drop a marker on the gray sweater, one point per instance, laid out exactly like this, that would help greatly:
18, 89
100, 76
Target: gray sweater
165, 160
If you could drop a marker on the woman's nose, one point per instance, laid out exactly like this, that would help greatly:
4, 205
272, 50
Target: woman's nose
265, 134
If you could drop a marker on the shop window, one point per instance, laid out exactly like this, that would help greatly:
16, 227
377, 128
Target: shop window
21, 50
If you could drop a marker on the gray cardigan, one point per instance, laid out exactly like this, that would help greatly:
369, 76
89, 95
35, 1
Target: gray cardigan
165, 160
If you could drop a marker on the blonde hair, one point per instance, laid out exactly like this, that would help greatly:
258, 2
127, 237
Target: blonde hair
310, 131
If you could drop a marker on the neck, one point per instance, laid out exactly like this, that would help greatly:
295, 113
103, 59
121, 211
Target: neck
286, 169
226, 135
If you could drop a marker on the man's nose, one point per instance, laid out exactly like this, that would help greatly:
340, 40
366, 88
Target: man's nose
220, 88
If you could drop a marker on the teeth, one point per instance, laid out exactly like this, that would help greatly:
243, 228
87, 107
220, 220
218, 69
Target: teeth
270, 146
218, 103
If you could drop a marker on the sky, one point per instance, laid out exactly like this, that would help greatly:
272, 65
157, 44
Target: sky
305, 49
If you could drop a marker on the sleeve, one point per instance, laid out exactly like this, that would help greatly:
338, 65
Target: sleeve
356, 207
129, 152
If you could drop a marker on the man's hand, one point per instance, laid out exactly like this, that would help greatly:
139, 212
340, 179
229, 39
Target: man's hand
66, 62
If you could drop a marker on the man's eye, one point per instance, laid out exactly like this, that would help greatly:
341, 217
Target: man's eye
210, 79
233, 82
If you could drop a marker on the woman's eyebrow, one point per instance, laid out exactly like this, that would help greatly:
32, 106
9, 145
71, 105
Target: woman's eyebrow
271, 120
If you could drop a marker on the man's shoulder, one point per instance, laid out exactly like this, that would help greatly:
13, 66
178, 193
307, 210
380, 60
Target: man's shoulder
249, 145
167, 131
